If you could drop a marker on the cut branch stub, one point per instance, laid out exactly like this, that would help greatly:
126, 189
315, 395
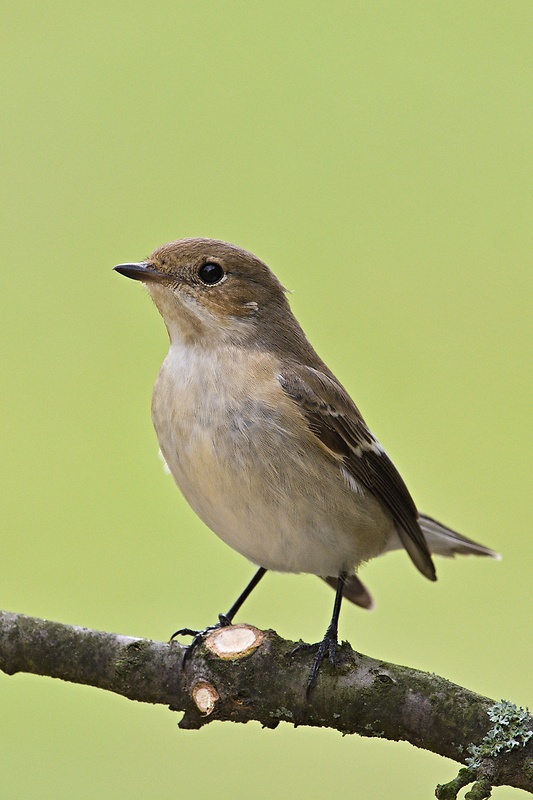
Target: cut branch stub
234, 642
205, 696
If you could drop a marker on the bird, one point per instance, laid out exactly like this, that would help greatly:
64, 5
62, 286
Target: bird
265, 443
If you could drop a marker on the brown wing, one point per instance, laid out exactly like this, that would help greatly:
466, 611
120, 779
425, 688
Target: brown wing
335, 420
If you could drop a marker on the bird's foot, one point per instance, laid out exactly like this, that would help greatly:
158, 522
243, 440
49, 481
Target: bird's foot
327, 648
198, 636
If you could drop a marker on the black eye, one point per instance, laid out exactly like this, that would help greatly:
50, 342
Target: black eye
210, 273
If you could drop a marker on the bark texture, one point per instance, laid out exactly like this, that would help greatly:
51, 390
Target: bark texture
264, 681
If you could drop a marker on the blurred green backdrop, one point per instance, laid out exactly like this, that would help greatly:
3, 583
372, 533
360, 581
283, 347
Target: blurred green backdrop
377, 156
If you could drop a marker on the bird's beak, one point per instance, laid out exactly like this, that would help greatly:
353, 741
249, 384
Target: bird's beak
139, 271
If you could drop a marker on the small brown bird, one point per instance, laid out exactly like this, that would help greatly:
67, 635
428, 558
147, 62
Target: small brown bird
262, 439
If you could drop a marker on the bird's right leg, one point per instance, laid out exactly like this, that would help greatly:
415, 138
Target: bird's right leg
224, 620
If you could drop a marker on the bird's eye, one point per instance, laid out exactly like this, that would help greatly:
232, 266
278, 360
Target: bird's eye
210, 273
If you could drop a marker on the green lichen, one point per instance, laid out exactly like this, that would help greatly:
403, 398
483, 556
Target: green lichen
132, 658
527, 768
282, 713
370, 731
481, 790
511, 730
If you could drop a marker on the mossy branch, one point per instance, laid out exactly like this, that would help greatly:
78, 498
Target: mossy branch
240, 674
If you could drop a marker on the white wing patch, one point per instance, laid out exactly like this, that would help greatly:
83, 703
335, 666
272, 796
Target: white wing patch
374, 446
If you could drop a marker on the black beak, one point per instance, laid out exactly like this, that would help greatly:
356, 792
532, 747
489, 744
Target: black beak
139, 271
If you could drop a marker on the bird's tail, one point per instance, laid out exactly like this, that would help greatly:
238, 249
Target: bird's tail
443, 541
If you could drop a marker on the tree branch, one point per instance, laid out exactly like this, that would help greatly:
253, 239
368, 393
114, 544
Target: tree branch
241, 674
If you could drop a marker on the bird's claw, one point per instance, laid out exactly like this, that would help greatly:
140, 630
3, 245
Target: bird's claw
327, 648
198, 636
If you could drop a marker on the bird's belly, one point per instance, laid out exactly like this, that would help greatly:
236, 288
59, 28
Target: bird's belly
270, 494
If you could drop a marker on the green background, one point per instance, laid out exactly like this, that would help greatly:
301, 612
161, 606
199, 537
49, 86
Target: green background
378, 156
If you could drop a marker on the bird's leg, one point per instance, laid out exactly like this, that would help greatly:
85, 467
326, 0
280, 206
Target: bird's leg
227, 619
328, 645
223, 619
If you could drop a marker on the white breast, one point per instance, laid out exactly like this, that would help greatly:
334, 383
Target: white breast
242, 457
